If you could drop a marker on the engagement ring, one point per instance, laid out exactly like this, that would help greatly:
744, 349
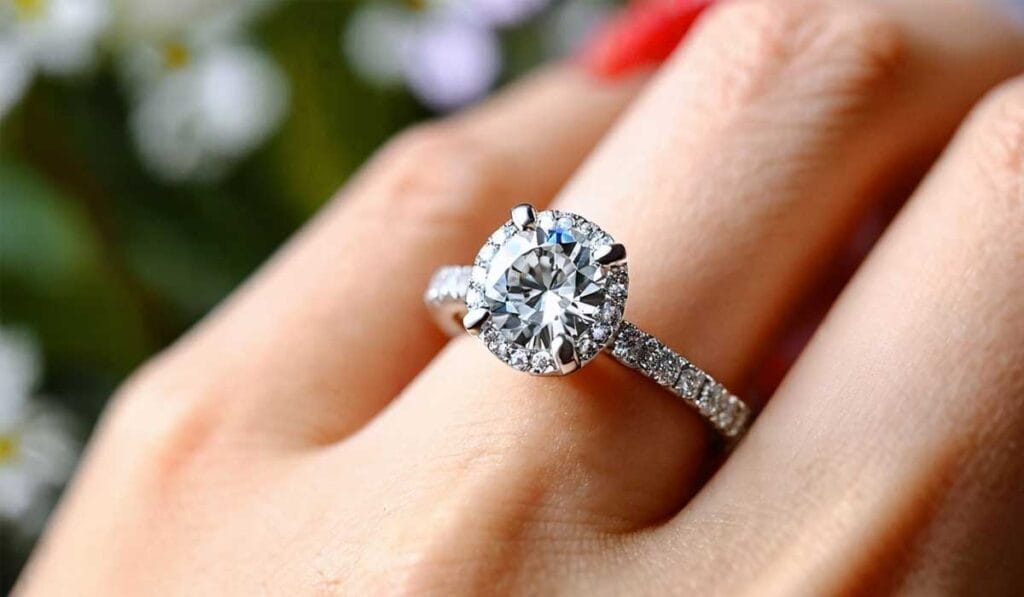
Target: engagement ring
547, 293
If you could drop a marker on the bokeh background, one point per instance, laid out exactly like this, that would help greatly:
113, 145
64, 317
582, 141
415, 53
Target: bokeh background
154, 152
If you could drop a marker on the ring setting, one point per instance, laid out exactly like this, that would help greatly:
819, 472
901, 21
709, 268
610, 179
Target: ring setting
547, 291
546, 294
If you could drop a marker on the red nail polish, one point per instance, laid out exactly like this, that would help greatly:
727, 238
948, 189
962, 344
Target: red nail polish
644, 34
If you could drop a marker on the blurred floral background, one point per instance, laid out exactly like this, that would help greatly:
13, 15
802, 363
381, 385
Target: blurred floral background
154, 152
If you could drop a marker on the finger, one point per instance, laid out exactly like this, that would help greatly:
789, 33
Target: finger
334, 325
891, 456
775, 116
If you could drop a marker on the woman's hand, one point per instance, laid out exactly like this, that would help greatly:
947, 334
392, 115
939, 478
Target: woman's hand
316, 434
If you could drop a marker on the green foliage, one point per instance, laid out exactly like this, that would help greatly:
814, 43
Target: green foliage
106, 265
57, 281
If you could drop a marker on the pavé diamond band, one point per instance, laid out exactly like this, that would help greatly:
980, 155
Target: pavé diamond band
546, 294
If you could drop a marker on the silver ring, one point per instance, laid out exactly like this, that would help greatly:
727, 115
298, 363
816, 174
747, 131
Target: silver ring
546, 294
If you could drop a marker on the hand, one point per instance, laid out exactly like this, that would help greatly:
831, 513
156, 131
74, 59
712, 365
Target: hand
316, 435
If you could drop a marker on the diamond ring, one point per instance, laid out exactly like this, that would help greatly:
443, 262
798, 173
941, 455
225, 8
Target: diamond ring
546, 294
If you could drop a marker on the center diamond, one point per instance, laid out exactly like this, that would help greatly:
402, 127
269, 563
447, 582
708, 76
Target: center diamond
543, 283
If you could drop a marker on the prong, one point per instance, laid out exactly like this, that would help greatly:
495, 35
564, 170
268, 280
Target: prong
564, 352
474, 321
613, 254
524, 216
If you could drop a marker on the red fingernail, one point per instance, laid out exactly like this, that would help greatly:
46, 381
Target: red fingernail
644, 34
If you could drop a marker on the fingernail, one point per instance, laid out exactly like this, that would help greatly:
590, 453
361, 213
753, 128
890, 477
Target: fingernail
642, 35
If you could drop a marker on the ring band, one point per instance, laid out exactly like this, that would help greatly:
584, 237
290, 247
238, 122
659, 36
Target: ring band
546, 294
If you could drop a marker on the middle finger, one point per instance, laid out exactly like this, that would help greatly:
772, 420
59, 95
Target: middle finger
736, 175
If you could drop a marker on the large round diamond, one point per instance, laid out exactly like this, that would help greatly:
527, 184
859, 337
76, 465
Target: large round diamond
550, 290
544, 282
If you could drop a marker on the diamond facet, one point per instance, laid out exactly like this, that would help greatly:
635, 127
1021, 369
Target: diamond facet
543, 282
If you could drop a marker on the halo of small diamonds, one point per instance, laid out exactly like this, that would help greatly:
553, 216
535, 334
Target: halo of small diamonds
550, 260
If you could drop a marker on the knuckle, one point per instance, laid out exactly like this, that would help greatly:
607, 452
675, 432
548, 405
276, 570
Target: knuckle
434, 171
739, 47
861, 31
843, 51
999, 135
858, 49
173, 422
746, 25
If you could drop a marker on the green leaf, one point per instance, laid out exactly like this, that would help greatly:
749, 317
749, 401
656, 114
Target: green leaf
55, 281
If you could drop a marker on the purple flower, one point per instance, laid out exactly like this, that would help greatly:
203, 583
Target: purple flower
451, 62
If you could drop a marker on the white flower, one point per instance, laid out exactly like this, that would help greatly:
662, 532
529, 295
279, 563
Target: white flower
15, 75
56, 37
36, 451
199, 109
446, 52
19, 371
138, 20
376, 38
202, 98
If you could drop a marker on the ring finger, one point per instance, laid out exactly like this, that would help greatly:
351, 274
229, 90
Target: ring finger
735, 176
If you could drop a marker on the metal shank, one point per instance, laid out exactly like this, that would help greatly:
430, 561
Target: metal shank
730, 416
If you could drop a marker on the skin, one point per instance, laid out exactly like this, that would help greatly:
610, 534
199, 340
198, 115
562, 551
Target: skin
316, 435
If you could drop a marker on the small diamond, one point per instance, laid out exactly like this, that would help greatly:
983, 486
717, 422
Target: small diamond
542, 362
545, 219
688, 385
711, 398
502, 233
499, 348
625, 332
610, 313
587, 347
728, 410
665, 366
479, 274
651, 354
599, 237
519, 359
600, 333
629, 346
740, 415
487, 252
445, 284
474, 298
617, 290
495, 343
565, 222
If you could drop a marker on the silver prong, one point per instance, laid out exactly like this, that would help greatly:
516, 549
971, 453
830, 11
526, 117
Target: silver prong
613, 254
524, 216
474, 320
564, 352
